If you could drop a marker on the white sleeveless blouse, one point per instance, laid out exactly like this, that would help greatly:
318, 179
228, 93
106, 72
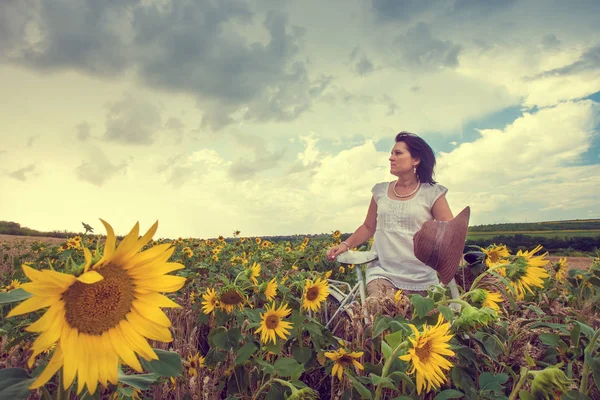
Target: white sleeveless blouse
397, 223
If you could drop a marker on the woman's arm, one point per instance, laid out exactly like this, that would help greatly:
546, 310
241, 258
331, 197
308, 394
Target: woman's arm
361, 235
441, 209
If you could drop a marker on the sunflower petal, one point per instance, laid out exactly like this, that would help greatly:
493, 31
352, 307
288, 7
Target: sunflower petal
149, 329
165, 283
125, 352
90, 277
158, 300
53, 366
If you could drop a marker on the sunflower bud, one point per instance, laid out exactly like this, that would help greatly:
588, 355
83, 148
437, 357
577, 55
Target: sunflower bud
549, 382
477, 295
471, 317
304, 394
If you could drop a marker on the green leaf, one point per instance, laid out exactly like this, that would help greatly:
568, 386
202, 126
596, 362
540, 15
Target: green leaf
489, 381
386, 350
449, 394
461, 378
525, 395
14, 383
575, 335
140, 381
360, 388
227, 339
550, 339
574, 395
266, 367
245, 352
562, 327
394, 339
402, 377
274, 348
316, 334
595, 368
446, 312
385, 382
14, 296
288, 367
302, 354
381, 324
422, 305
587, 330
167, 365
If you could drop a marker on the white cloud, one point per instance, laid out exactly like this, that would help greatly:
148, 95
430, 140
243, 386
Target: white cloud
531, 161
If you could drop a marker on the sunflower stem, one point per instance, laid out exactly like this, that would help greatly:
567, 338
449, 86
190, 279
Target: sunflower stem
515, 391
387, 366
45, 393
587, 358
457, 301
263, 387
484, 273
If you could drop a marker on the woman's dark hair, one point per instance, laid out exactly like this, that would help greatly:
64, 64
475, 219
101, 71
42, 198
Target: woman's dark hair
419, 148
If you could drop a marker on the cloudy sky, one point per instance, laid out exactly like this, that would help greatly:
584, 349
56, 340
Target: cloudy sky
277, 117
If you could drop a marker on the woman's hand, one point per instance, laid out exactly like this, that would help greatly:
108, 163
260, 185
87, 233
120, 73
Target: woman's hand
335, 251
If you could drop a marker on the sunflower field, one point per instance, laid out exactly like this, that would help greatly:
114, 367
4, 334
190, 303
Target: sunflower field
97, 317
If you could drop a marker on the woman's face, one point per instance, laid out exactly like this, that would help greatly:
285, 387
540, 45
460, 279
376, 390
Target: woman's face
401, 161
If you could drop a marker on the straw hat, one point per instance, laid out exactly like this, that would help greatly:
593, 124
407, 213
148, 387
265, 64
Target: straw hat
440, 244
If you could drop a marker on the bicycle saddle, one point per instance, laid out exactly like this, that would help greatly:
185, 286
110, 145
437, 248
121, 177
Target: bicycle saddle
356, 257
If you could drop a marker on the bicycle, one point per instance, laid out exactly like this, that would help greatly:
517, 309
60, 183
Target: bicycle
342, 295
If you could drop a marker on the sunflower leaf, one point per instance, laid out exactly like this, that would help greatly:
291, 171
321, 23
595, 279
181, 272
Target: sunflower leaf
140, 381
422, 304
360, 388
288, 367
386, 350
393, 339
302, 354
491, 382
245, 352
167, 365
525, 395
383, 381
14, 296
381, 324
14, 383
449, 394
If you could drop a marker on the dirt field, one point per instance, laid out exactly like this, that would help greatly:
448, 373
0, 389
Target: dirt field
29, 239
575, 262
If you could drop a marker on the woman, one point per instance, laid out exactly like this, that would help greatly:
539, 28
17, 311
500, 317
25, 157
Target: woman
396, 213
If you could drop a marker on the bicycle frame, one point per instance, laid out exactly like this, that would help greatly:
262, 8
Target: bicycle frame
345, 299
360, 289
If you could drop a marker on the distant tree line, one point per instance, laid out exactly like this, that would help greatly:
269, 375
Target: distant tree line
577, 224
13, 228
551, 244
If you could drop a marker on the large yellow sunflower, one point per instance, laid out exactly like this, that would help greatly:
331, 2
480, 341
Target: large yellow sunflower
526, 271
271, 324
495, 254
426, 355
104, 315
211, 301
343, 359
314, 294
